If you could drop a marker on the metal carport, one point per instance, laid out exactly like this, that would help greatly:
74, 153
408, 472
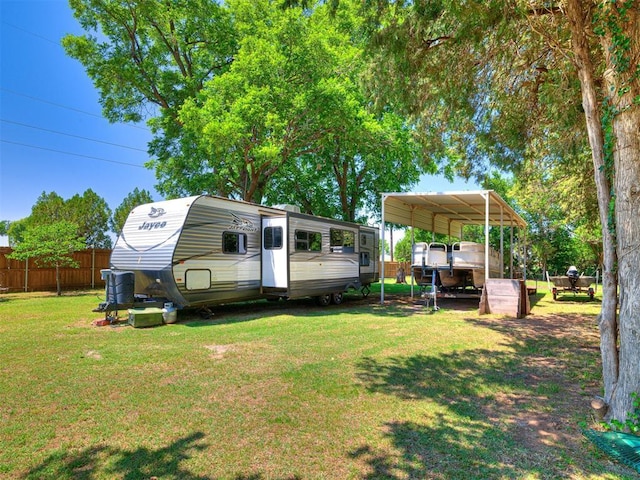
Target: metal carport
447, 213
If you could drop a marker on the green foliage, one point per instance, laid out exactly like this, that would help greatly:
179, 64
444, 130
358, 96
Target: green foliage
91, 213
632, 422
4, 227
383, 248
49, 208
288, 123
259, 114
51, 245
609, 20
16, 230
452, 71
88, 211
150, 54
402, 250
249, 100
132, 200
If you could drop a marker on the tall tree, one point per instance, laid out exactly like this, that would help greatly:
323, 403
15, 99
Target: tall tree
146, 58
132, 200
343, 179
257, 116
288, 123
490, 79
51, 245
618, 27
49, 208
91, 213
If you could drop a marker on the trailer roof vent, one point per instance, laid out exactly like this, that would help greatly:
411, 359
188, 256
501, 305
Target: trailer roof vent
288, 208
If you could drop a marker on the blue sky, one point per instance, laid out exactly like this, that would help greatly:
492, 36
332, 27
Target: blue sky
52, 135
51, 128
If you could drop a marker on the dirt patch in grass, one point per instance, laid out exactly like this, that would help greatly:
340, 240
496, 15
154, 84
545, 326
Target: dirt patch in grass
559, 372
218, 351
93, 354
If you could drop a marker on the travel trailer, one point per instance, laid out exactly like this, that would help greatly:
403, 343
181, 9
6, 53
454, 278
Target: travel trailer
203, 250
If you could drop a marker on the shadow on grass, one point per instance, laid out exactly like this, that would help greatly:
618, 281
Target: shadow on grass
119, 463
570, 297
353, 304
443, 445
437, 450
139, 463
535, 298
500, 413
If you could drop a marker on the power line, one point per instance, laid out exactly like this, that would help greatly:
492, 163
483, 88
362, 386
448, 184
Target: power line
71, 153
31, 33
71, 135
12, 92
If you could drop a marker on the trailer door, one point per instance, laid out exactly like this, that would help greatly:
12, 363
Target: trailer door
275, 258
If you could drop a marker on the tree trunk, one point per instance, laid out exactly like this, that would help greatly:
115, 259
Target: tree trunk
623, 84
579, 26
627, 187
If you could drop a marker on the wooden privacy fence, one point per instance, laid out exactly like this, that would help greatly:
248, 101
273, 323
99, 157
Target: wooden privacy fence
19, 276
391, 269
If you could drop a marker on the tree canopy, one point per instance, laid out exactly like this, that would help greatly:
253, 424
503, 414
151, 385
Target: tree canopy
249, 101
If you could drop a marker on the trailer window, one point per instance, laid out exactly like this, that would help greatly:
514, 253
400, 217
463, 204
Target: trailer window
342, 241
272, 238
233, 242
308, 241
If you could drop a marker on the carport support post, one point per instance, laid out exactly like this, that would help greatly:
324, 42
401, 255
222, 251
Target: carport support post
384, 197
413, 239
511, 252
486, 235
501, 242
525, 255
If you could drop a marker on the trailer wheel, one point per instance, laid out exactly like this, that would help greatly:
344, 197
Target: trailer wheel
323, 300
336, 298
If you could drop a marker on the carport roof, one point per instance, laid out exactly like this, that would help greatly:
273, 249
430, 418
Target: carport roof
448, 212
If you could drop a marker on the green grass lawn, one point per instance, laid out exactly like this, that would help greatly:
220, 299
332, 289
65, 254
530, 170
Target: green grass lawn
296, 391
